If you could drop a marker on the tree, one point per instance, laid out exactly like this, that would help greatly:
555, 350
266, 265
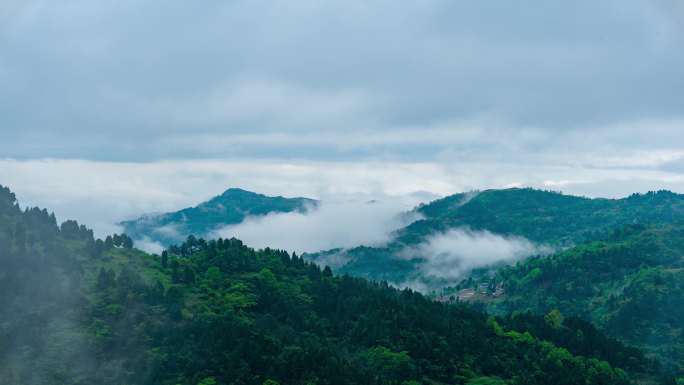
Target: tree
165, 259
116, 238
109, 242
386, 365
126, 241
175, 265
69, 229
554, 318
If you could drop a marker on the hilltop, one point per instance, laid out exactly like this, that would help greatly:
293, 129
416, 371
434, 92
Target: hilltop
231, 207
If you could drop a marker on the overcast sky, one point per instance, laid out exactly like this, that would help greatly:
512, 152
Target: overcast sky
159, 104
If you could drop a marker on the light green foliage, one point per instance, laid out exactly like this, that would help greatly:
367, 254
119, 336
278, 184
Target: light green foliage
498, 330
631, 284
208, 381
213, 277
386, 363
524, 338
533, 275
554, 318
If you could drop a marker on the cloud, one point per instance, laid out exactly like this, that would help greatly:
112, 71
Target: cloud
334, 224
168, 231
130, 80
449, 256
148, 245
101, 194
167, 106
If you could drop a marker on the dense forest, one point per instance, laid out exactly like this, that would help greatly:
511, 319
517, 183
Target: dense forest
231, 207
543, 217
77, 310
630, 284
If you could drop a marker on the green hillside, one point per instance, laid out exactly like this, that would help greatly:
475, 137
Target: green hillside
543, 217
631, 285
76, 310
231, 207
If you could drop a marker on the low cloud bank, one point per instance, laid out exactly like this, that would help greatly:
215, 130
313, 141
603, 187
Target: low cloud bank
340, 224
148, 245
451, 255
100, 194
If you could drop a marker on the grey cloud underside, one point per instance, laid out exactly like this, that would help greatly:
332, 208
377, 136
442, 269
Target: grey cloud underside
144, 80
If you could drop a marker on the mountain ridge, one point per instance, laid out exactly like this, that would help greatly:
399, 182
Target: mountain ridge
218, 312
230, 207
542, 217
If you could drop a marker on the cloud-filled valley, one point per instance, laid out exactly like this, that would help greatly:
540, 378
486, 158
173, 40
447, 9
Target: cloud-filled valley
334, 224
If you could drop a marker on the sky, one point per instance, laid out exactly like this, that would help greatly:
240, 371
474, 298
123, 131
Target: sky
109, 109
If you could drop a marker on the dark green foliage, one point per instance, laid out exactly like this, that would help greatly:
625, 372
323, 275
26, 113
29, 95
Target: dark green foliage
544, 216
71, 230
41, 338
257, 316
231, 207
121, 240
581, 338
223, 313
48, 277
631, 284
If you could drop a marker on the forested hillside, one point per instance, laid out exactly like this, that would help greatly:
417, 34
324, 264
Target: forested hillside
631, 284
81, 311
542, 217
231, 207
45, 296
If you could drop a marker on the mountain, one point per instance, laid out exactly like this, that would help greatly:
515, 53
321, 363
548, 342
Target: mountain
630, 284
231, 207
543, 218
79, 310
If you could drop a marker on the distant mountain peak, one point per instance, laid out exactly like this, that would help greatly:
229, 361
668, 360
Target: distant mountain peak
238, 191
231, 207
